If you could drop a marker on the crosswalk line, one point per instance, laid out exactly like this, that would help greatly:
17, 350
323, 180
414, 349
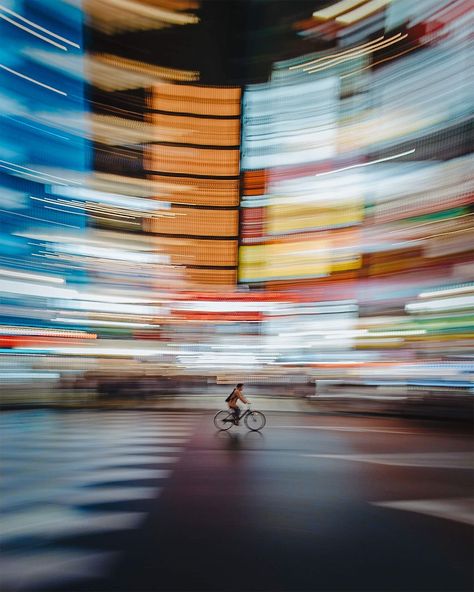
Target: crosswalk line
67, 455
76, 496
33, 569
456, 509
348, 429
61, 467
57, 520
91, 444
435, 460
86, 477
63, 476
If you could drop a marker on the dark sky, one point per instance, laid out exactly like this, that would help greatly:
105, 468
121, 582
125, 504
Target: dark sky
236, 41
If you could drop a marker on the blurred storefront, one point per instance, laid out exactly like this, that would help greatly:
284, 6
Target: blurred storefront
296, 209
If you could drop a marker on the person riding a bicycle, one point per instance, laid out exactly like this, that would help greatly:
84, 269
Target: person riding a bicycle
225, 419
233, 399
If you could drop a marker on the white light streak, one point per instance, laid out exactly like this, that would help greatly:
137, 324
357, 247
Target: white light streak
43, 332
6, 376
227, 306
108, 307
49, 222
31, 289
31, 32
41, 174
36, 26
447, 292
98, 322
364, 164
396, 333
56, 90
127, 351
114, 299
124, 201
22, 275
114, 254
460, 303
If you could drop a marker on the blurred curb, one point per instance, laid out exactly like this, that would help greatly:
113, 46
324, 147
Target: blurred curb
453, 408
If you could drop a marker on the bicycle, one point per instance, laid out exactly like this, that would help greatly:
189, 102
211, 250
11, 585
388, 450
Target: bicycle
254, 420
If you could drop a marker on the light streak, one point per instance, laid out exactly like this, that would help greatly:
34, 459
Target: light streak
359, 53
31, 276
44, 332
30, 289
142, 204
25, 20
337, 9
444, 304
98, 322
31, 32
334, 56
10, 213
37, 173
56, 90
396, 333
151, 12
4, 377
363, 164
447, 292
348, 18
382, 61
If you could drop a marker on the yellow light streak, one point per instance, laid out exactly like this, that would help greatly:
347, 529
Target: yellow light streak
337, 9
336, 55
338, 60
361, 12
397, 55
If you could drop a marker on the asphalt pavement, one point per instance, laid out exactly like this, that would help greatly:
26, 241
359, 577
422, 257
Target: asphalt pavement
151, 501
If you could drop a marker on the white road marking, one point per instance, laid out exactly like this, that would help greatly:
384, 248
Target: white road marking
63, 467
348, 429
47, 521
67, 455
110, 436
76, 496
85, 477
438, 460
21, 571
58, 465
457, 509
57, 445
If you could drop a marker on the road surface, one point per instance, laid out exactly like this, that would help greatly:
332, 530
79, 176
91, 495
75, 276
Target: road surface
135, 500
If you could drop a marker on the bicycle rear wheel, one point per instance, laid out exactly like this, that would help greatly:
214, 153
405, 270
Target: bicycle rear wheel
255, 421
223, 420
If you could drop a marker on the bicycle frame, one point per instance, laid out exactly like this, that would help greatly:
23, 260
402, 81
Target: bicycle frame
246, 412
227, 416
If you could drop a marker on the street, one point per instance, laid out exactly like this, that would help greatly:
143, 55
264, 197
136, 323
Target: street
130, 500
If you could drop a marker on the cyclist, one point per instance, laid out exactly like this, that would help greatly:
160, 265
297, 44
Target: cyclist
232, 400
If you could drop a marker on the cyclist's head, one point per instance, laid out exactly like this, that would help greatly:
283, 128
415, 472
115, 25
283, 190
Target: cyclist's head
240, 385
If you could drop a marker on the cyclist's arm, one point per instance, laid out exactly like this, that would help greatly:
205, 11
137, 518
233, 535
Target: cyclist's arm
243, 399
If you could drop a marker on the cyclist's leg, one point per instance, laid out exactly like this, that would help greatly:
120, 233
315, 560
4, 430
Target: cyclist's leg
236, 414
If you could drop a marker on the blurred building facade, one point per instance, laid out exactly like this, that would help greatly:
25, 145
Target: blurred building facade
41, 159
294, 207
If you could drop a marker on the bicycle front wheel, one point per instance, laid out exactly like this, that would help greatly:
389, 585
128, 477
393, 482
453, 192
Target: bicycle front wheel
223, 420
255, 421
